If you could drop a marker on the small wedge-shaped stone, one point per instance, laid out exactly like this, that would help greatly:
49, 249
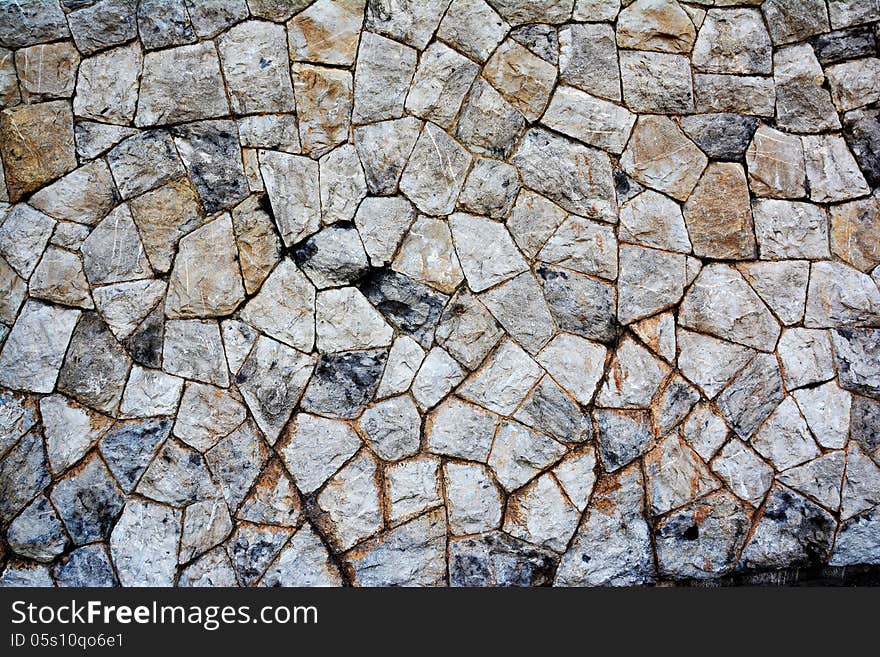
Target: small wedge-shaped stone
37, 533
575, 363
472, 498
832, 171
333, 257
304, 561
782, 285
806, 357
827, 411
785, 440
472, 27
752, 395
709, 362
206, 279
721, 303
820, 479
428, 255
404, 360
651, 219
150, 393
585, 246
285, 307
271, 381
594, 121
392, 427
488, 123
649, 281
634, 377
69, 430
861, 483
551, 410
519, 454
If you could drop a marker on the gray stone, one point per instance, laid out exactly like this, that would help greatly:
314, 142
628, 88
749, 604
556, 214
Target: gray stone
163, 23
806, 357
384, 149
349, 503
440, 84
579, 304
467, 330
103, 23
857, 541
273, 499
31, 21
708, 362
96, 366
490, 189
344, 383
540, 514
37, 532
342, 184
88, 501
128, 447
284, 308
792, 21
472, 27
144, 544
733, 41
841, 296
549, 409
461, 430
473, 501
271, 381
116, 235
23, 238
802, 105
435, 172
308, 30
623, 436
519, 454
313, 448
236, 462
107, 85
412, 486
782, 285
787, 229
177, 476
125, 305
332, 257
392, 428
85, 195
702, 540
23, 475
576, 177
654, 220
776, 164
721, 136
791, 530
86, 566
144, 161
404, 360
649, 281
743, 471
635, 376
193, 349
410, 21
304, 561
488, 124
181, 84
496, 559
752, 395
383, 73
381, 223
832, 170
253, 548
427, 254
656, 82
519, 306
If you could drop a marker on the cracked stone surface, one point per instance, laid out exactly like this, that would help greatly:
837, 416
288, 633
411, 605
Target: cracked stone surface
438, 292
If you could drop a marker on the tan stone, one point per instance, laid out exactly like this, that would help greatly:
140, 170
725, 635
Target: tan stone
258, 245
324, 98
327, 32
660, 156
524, 79
776, 164
163, 216
855, 233
655, 25
719, 215
36, 142
206, 280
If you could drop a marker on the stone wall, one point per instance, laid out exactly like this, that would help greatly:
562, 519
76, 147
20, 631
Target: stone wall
425, 292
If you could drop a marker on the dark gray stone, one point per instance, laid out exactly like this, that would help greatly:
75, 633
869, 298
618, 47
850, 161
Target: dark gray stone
163, 23
26, 22
408, 305
344, 383
253, 547
840, 45
865, 422
128, 447
212, 157
858, 541
87, 566
96, 366
623, 436
857, 352
580, 304
862, 131
625, 187
88, 501
721, 136
105, 23
496, 559
549, 409
23, 474
145, 344
542, 40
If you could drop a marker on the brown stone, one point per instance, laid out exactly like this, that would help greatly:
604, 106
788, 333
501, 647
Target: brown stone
324, 98
163, 216
524, 79
855, 233
36, 142
719, 214
776, 164
47, 70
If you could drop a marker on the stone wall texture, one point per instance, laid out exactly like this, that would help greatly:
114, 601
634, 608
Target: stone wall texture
429, 292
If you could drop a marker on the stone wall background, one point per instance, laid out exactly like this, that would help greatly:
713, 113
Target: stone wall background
420, 292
